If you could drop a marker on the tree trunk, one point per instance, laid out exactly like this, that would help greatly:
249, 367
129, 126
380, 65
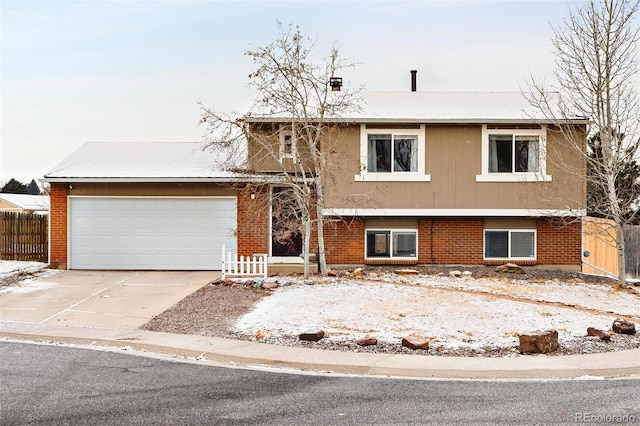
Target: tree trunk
322, 261
620, 248
305, 248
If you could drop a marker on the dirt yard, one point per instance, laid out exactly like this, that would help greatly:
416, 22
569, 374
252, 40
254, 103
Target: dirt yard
214, 309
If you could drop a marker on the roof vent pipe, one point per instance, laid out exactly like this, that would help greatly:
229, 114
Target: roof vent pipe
413, 80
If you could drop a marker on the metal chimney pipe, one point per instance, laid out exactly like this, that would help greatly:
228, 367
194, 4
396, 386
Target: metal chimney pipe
413, 80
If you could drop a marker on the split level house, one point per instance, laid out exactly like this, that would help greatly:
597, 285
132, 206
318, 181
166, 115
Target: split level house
411, 178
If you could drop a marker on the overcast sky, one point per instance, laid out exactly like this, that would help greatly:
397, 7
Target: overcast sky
133, 70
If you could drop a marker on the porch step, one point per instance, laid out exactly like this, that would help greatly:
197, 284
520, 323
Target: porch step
290, 268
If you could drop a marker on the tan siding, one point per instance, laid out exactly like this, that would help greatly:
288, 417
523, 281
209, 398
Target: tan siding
453, 159
509, 223
151, 189
392, 223
8, 207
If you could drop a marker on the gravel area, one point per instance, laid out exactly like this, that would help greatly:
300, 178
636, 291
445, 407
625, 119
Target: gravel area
215, 309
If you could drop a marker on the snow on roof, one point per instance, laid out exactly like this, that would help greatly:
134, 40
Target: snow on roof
140, 160
476, 107
27, 202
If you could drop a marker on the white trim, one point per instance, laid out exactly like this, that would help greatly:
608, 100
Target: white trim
426, 120
539, 176
418, 176
152, 196
513, 177
392, 177
456, 212
282, 133
221, 179
391, 232
509, 230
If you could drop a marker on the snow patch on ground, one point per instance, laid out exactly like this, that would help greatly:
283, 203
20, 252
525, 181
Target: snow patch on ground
349, 309
27, 286
10, 269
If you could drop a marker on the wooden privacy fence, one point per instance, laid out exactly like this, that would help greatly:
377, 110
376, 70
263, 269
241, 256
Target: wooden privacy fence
24, 236
599, 240
250, 266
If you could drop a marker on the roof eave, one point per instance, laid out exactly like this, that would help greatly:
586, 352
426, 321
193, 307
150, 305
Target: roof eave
427, 120
229, 179
144, 179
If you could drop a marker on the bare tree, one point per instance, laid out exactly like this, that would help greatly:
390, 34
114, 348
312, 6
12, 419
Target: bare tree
596, 63
286, 139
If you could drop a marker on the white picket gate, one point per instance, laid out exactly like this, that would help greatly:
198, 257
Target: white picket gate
250, 266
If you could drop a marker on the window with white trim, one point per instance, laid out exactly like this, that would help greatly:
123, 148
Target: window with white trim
391, 243
514, 244
287, 146
392, 154
513, 155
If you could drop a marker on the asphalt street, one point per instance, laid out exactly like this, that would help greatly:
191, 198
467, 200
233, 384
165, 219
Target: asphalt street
44, 384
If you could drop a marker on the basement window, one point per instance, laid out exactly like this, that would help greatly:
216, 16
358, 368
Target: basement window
391, 243
510, 244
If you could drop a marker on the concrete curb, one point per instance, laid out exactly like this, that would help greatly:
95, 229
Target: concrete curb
610, 365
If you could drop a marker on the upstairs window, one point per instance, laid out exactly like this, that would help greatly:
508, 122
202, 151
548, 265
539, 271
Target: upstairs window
511, 153
287, 146
514, 154
388, 154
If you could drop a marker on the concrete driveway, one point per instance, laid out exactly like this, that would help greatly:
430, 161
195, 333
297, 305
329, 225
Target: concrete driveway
108, 300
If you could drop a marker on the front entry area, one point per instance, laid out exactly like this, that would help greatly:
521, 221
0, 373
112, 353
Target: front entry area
285, 229
140, 233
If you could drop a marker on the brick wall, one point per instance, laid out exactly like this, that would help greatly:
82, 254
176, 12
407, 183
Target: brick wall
58, 226
559, 242
253, 221
451, 241
344, 241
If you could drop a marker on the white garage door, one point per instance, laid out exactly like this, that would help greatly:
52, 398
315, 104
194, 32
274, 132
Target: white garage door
150, 233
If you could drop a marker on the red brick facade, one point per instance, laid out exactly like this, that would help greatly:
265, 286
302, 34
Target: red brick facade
448, 241
559, 243
58, 226
451, 241
253, 222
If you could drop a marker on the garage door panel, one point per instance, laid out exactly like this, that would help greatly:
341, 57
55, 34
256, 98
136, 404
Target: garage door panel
146, 233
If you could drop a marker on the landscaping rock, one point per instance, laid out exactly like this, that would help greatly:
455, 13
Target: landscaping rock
599, 333
538, 343
510, 268
406, 271
414, 341
622, 326
576, 280
261, 334
270, 285
312, 336
367, 341
217, 281
455, 273
357, 272
467, 274
332, 273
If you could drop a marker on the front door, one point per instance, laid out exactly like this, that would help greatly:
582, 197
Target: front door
286, 237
